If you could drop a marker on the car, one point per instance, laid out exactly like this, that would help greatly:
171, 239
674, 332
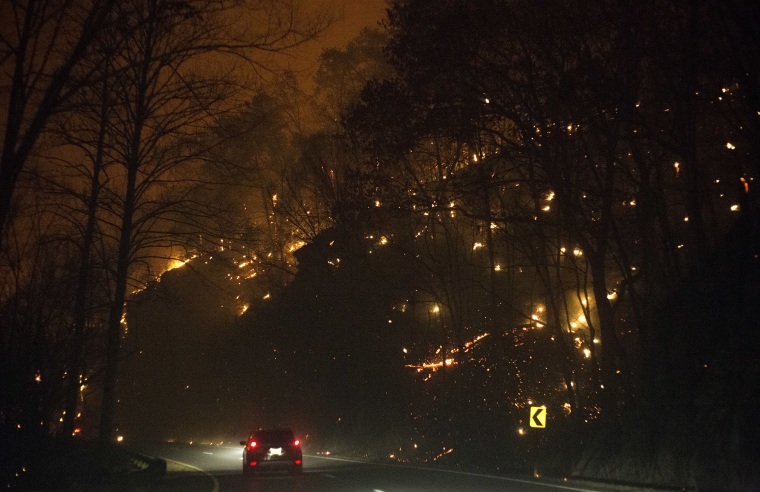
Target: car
272, 449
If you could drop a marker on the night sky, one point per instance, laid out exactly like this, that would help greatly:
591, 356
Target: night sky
350, 18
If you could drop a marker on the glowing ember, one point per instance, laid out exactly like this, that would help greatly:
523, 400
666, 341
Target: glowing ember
174, 264
444, 453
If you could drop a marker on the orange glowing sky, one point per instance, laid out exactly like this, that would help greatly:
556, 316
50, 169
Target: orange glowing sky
351, 16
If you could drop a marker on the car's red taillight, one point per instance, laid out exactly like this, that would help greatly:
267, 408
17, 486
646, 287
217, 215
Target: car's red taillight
298, 462
296, 443
251, 444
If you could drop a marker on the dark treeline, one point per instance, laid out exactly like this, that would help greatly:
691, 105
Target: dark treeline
548, 203
602, 145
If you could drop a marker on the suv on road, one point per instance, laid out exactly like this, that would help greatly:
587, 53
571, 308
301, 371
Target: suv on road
272, 448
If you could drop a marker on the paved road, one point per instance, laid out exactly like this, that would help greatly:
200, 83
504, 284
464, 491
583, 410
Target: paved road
219, 468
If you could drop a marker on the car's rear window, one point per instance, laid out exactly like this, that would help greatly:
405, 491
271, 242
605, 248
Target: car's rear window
273, 435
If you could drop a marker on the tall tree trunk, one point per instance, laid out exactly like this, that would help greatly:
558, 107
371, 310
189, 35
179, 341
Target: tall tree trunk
83, 283
614, 359
686, 135
113, 336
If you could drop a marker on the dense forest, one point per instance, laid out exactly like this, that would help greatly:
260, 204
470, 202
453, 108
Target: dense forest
478, 207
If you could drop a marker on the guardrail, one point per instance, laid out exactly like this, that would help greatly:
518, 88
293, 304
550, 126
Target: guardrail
151, 466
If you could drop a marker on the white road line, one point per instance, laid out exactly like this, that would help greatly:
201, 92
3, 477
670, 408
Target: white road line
215, 488
470, 474
506, 479
342, 459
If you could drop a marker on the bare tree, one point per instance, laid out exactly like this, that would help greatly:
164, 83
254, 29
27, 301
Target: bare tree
166, 99
42, 44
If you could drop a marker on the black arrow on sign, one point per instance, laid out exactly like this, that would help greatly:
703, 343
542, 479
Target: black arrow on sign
535, 417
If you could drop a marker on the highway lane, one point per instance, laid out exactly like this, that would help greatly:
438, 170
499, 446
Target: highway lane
204, 468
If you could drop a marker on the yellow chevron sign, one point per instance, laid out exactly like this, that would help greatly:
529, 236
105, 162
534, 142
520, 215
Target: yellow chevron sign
538, 417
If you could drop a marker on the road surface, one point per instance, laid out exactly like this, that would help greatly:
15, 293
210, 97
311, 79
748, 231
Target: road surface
204, 468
